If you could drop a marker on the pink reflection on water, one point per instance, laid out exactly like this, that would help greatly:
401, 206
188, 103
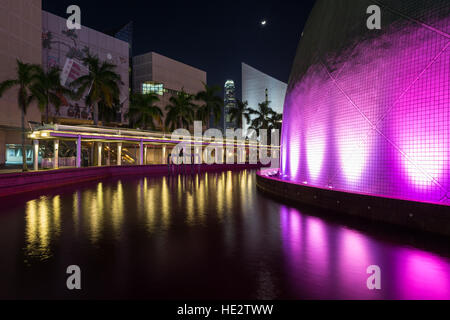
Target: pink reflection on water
422, 276
324, 261
291, 233
307, 252
354, 258
316, 248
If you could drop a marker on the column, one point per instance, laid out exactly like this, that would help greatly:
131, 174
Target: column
99, 154
164, 160
55, 154
119, 154
141, 153
79, 152
198, 155
36, 155
145, 154
108, 159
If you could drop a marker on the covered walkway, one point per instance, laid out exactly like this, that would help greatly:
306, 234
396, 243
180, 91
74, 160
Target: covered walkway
88, 146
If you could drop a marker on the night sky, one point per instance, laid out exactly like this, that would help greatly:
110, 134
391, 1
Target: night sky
215, 36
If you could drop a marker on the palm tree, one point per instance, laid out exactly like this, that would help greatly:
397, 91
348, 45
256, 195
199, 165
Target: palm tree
276, 120
212, 104
26, 75
102, 84
263, 115
239, 112
108, 114
181, 111
143, 111
48, 89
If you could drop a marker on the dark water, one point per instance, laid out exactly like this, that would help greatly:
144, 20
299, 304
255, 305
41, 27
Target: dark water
208, 236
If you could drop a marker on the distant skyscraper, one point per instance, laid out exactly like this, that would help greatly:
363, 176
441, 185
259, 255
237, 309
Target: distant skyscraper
229, 103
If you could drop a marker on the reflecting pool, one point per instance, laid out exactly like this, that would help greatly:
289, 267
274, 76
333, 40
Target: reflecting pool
212, 236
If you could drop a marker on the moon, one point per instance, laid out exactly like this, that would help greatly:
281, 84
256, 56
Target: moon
263, 22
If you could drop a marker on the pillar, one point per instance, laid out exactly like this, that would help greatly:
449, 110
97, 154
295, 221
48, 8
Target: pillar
141, 153
164, 160
79, 152
119, 154
36, 155
55, 154
108, 159
99, 154
198, 155
145, 154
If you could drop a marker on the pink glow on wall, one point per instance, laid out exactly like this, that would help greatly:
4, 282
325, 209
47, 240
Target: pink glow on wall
283, 156
315, 151
352, 154
378, 122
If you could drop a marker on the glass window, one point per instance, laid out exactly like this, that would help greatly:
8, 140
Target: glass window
149, 87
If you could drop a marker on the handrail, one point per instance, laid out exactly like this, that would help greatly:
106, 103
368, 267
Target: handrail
139, 133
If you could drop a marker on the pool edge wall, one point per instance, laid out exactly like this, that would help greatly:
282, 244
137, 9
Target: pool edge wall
420, 216
16, 183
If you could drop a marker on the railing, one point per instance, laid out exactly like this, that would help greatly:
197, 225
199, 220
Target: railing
47, 163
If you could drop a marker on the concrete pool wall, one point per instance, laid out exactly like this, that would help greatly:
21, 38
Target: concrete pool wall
429, 217
14, 183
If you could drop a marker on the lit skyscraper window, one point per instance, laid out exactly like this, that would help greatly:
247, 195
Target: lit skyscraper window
229, 103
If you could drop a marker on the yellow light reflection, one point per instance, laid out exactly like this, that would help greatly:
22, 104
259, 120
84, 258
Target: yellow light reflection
165, 198
95, 213
149, 207
201, 199
76, 207
42, 226
220, 196
190, 209
117, 208
57, 214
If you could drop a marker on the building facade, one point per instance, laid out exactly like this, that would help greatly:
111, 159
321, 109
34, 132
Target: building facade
125, 33
20, 38
166, 77
66, 48
258, 87
367, 111
229, 103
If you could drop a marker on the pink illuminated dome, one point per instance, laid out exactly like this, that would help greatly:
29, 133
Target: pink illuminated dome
368, 110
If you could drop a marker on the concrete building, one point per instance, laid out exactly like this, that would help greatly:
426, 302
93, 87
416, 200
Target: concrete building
20, 38
125, 33
166, 77
66, 48
258, 87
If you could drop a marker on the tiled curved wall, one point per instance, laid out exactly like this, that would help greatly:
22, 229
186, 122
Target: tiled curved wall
368, 111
